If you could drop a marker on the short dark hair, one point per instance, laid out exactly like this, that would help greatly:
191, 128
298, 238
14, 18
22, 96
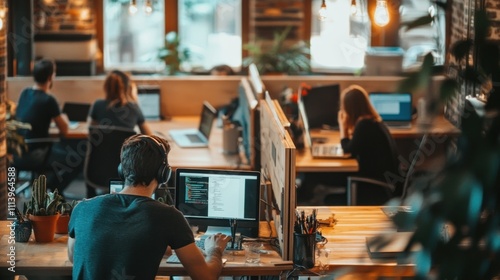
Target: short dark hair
43, 70
141, 160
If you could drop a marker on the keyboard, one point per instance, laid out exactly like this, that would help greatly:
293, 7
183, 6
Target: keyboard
194, 138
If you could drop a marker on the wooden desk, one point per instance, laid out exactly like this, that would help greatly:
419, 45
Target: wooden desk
347, 242
211, 157
305, 163
50, 259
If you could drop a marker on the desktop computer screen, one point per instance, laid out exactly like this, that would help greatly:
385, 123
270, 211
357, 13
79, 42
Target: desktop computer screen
215, 197
321, 105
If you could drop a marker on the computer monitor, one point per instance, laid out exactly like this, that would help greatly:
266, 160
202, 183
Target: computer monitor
392, 106
212, 198
321, 105
247, 117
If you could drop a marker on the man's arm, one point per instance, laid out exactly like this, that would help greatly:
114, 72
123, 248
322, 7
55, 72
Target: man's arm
71, 248
62, 124
199, 267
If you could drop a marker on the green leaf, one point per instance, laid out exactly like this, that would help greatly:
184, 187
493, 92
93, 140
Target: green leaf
448, 90
461, 49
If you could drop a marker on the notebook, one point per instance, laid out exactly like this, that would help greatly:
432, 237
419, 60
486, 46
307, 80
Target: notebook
196, 137
320, 148
394, 108
76, 112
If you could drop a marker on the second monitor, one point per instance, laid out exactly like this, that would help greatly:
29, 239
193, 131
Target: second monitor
321, 105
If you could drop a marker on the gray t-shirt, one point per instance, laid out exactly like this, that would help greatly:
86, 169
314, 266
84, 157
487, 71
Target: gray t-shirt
126, 116
121, 236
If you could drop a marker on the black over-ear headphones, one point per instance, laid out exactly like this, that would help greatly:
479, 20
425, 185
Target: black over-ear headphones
164, 171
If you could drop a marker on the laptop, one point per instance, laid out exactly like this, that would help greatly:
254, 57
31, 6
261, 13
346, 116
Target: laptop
196, 137
149, 102
116, 185
76, 112
319, 147
394, 108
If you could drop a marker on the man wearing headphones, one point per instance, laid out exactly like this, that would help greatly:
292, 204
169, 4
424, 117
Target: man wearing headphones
125, 235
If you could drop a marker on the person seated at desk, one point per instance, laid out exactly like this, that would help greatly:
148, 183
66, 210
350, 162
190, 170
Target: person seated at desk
120, 107
127, 234
39, 108
365, 136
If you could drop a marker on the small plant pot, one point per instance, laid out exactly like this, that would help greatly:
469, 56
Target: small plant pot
22, 231
62, 224
44, 227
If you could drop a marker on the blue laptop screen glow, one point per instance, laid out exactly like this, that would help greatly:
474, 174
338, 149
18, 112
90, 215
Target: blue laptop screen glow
392, 106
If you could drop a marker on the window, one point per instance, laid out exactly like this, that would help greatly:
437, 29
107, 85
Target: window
419, 41
126, 33
339, 42
211, 31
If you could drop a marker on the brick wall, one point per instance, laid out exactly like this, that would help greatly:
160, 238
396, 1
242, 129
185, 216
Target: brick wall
68, 15
493, 10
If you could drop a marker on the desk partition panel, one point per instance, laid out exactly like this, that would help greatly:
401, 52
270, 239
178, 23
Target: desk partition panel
278, 168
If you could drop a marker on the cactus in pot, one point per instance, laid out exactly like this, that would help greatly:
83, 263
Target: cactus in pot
43, 210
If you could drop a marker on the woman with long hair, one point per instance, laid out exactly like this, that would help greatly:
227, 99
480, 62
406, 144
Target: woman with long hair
119, 107
365, 136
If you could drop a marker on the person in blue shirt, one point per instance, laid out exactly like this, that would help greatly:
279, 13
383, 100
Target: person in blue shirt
39, 108
125, 235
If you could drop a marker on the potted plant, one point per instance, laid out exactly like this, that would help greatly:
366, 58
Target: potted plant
65, 210
455, 211
172, 54
279, 57
22, 227
42, 210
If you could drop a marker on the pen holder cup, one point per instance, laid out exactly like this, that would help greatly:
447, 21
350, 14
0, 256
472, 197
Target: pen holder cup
304, 246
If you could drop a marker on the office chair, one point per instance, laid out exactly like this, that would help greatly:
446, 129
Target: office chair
34, 168
103, 157
367, 191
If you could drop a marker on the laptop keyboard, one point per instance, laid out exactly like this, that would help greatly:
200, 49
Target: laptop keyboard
194, 138
327, 149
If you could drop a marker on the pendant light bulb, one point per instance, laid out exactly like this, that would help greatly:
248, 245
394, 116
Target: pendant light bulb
322, 11
132, 8
354, 8
381, 13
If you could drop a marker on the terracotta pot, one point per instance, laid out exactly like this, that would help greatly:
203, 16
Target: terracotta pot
44, 227
62, 224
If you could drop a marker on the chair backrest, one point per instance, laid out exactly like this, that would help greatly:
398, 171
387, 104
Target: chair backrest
103, 154
366, 191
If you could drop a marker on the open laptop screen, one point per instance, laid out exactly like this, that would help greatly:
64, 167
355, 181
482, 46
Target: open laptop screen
76, 112
392, 106
208, 116
149, 102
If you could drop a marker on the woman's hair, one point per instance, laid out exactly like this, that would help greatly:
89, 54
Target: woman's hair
354, 101
116, 86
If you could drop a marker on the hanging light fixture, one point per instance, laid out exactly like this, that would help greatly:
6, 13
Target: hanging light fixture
381, 16
354, 8
322, 11
132, 8
148, 7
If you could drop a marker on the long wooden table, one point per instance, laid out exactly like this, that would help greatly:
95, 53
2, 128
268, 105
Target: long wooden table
50, 259
349, 257
211, 157
304, 162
